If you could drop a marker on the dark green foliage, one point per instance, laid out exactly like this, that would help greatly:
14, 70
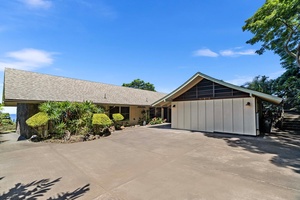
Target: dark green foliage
5, 119
140, 84
276, 25
37, 120
260, 84
286, 86
6, 124
70, 116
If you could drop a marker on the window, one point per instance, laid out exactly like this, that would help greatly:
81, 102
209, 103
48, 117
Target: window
117, 109
125, 112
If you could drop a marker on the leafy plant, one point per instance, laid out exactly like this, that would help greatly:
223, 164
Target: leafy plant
117, 117
70, 116
140, 84
39, 122
276, 27
156, 120
101, 122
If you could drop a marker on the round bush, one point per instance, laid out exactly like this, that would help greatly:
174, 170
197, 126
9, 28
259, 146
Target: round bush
39, 119
101, 120
118, 116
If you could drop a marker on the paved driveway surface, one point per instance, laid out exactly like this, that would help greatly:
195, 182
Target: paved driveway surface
153, 163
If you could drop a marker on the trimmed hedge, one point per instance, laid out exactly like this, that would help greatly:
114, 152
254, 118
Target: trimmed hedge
101, 120
118, 117
37, 120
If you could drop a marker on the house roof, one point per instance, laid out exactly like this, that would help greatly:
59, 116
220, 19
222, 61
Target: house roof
199, 76
30, 87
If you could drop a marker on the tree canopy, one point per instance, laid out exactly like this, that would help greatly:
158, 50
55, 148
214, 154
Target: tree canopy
277, 26
140, 84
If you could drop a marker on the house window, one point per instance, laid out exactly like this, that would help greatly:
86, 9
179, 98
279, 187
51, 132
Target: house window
117, 109
113, 110
125, 112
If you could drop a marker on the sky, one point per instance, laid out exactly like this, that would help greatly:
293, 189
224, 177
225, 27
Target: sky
163, 42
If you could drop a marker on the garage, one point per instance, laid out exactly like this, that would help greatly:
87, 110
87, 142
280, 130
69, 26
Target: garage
207, 104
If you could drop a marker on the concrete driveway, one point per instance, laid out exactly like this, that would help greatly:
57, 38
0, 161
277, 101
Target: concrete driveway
153, 163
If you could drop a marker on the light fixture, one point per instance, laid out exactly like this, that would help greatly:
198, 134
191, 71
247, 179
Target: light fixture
248, 103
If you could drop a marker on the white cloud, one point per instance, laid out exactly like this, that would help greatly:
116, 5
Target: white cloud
27, 59
229, 52
205, 52
100, 8
240, 80
38, 3
275, 75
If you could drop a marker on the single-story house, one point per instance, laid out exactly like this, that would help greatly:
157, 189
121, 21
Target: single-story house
202, 103
26, 90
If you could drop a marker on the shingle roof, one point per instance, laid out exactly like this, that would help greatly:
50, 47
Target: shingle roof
198, 77
24, 86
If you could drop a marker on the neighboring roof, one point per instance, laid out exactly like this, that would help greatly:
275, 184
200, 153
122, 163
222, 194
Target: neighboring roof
199, 76
30, 87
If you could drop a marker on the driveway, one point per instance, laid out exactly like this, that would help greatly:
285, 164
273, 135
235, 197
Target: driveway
153, 163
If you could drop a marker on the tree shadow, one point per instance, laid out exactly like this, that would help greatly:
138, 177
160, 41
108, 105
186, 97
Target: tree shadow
38, 189
285, 146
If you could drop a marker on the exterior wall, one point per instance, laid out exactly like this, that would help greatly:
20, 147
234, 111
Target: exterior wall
219, 115
135, 114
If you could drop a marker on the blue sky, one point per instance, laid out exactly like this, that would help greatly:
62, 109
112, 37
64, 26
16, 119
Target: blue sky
164, 42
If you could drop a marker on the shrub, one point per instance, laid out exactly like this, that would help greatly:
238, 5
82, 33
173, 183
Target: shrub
101, 120
156, 121
117, 117
37, 120
5, 119
70, 116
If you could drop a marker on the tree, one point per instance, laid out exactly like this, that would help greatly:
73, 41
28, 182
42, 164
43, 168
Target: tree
277, 25
260, 84
140, 84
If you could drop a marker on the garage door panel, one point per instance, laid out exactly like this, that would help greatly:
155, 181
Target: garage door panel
227, 115
201, 116
194, 115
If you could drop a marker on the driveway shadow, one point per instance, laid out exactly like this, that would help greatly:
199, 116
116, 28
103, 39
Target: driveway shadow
37, 189
285, 146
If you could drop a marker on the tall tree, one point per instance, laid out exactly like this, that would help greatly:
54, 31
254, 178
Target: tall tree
140, 84
277, 26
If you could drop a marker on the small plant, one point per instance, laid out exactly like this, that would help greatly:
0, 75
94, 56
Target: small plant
101, 122
39, 122
116, 118
156, 120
